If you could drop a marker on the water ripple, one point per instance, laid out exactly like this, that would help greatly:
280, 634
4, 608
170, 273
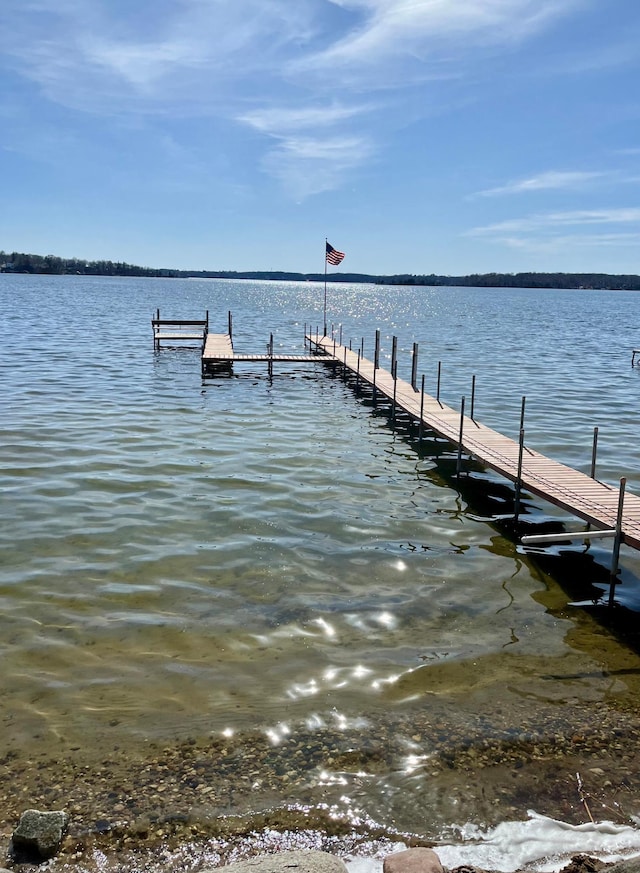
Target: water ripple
267, 551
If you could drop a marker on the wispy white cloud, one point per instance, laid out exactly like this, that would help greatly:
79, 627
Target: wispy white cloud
562, 243
143, 66
550, 180
307, 166
559, 232
553, 220
276, 120
89, 50
278, 58
91, 56
434, 31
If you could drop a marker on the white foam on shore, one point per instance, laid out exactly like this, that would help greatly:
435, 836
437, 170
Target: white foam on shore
540, 843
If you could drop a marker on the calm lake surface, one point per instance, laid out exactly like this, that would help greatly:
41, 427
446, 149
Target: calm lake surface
270, 559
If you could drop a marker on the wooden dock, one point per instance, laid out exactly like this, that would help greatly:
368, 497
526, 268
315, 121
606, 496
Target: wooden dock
602, 506
608, 511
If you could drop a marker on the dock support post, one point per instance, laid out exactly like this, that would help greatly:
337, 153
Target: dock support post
594, 452
205, 334
344, 364
362, 347
270, 364
231, 327
394, 352
522, 406
358, 374
438, 385
459, 462
376, 364
616, 544
421, 426
394, 374
414, 367
516, 507
340, 343
473, 396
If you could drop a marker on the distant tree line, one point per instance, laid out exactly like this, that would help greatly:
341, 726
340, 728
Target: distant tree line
605, 281
18, 262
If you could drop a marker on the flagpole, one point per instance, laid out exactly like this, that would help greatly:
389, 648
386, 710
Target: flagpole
325, 286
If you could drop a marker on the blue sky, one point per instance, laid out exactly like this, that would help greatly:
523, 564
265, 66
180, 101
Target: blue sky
419, 136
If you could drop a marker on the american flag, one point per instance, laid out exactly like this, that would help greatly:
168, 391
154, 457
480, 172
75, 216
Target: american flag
333, 255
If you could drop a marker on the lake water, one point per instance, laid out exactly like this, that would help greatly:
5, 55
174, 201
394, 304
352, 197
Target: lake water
254, 593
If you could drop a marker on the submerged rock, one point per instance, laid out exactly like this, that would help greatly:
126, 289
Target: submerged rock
38, 835
307, 861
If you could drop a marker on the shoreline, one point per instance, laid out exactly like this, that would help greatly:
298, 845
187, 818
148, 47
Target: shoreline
326, 787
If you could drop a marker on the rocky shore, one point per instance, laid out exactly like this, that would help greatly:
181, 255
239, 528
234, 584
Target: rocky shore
419, 860
39, 836
204, 802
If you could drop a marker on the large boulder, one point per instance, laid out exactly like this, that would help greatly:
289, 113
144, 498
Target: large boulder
418, 860
38, 835
305, 861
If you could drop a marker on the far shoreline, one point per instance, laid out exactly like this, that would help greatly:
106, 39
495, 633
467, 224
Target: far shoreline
18, 263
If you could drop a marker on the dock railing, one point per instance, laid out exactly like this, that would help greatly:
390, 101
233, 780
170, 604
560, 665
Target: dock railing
180, 330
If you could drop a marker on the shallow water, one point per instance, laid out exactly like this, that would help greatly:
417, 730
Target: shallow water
270, 558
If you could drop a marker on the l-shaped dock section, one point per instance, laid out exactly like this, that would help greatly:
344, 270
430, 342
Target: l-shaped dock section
608, 511
218, 354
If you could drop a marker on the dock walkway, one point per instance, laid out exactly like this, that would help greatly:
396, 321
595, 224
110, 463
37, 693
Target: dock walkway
594, 501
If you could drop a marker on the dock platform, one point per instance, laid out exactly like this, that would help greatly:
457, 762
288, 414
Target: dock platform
218, 355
